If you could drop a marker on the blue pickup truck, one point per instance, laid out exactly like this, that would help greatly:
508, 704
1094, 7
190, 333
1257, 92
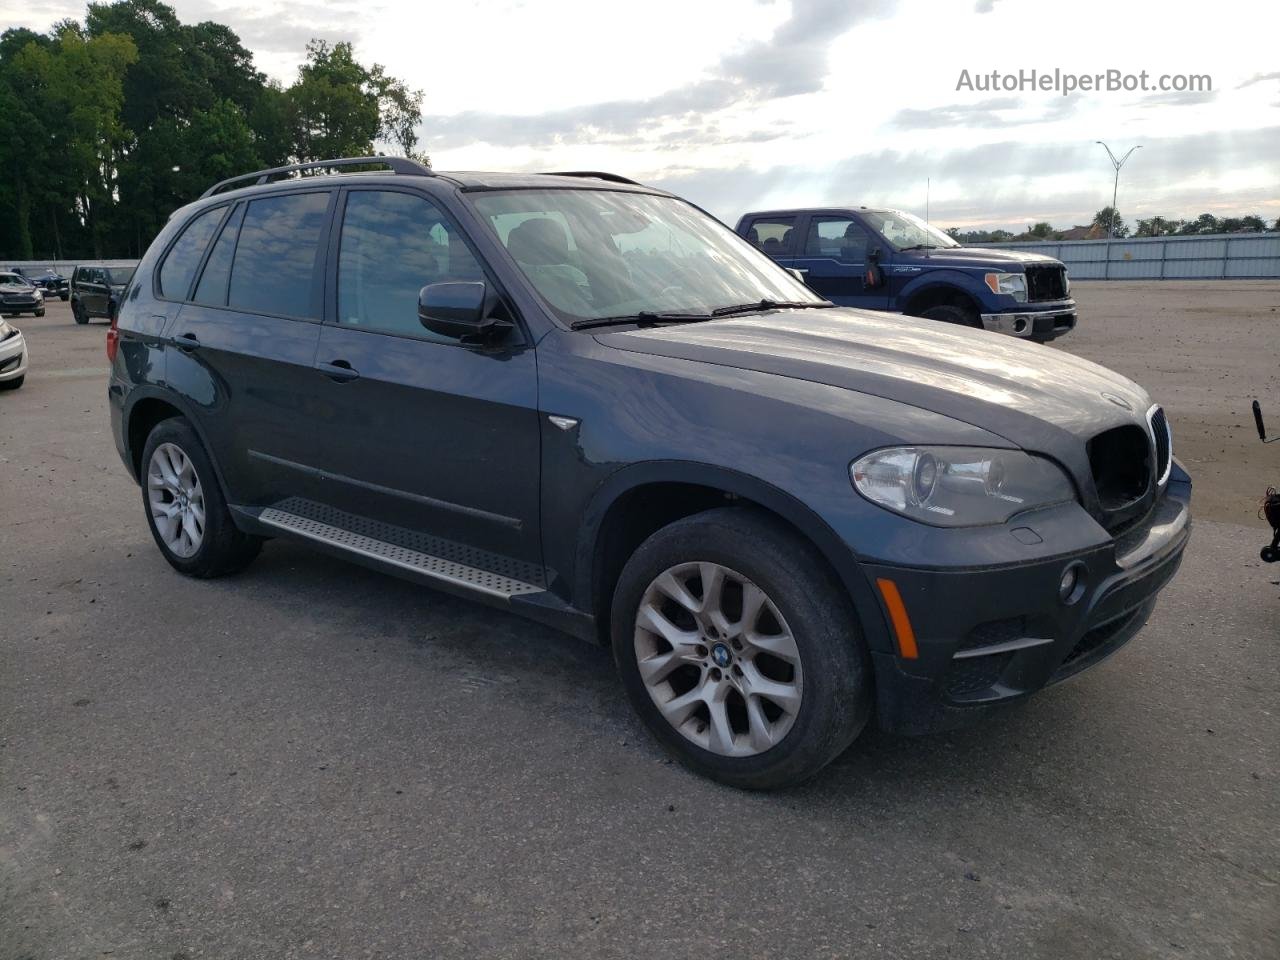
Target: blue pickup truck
890, 260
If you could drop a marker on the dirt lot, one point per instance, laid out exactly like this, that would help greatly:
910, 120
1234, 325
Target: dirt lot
1206, 350
311, 760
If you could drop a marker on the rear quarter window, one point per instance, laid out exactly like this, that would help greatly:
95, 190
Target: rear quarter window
179, 267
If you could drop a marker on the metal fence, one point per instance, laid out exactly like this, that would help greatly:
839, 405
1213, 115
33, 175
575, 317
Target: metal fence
63, 267
1208, 257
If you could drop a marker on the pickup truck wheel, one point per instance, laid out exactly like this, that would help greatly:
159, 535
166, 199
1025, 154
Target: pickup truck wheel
739, 651
949, 313
186, 511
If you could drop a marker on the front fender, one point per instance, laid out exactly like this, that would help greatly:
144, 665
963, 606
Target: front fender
969, 284
810, 525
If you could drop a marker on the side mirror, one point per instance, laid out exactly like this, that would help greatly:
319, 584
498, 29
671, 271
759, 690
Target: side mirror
455, 310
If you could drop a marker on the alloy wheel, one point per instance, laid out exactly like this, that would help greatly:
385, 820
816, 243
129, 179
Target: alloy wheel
176, 500
718, 659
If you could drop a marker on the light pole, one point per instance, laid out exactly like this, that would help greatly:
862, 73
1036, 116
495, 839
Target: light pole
1115, 189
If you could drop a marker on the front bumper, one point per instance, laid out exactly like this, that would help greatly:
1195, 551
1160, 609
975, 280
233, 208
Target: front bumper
13, 357
989, 636
1032, 324
22, 304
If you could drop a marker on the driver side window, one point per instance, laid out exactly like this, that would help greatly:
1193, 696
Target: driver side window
394, 244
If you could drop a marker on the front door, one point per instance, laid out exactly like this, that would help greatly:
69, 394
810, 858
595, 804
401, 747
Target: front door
833, 259
418, 430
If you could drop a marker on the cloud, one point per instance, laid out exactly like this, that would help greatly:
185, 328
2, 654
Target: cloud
1012, 187
1178, 98
1259, 78
791, 63
280, 30
984, 6
983, 113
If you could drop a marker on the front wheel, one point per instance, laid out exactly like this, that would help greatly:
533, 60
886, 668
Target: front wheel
40, 312
13, 384
950, 313
77, 311
186, 511
739, 650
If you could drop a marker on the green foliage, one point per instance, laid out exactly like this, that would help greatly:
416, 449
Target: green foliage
108, 126
1111, 221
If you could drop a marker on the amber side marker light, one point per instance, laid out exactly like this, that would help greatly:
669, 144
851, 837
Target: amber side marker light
898, 615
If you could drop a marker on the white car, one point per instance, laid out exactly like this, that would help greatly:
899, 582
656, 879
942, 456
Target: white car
13, 356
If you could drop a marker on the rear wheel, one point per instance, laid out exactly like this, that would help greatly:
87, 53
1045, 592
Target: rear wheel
186, 511
739, 650
950, 313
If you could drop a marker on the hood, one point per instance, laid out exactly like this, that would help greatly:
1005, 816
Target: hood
1034, 396
977, 257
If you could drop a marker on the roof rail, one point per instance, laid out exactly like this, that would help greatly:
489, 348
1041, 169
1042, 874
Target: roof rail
398, 165
596, 174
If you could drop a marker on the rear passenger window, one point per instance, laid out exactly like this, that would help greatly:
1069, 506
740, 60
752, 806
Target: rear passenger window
772, 235
179, 267
212, 288
275, 257
393, 245
838, 238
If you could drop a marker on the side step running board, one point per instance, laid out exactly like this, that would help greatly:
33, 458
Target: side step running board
427, 556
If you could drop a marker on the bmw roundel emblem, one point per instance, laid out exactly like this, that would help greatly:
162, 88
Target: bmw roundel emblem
720, 654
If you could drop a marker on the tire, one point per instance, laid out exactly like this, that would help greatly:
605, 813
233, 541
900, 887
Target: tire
13, 384
220, 548
64, 297
40, 312
77, 311
949, 313
1270, 555
805, 615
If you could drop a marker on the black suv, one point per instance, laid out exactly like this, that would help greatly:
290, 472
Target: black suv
96, 290
588, 402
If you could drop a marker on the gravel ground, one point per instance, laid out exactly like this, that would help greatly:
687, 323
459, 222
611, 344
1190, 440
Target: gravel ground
312, 760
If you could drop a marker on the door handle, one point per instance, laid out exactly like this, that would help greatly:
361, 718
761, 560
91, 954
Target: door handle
339, 371
186, 342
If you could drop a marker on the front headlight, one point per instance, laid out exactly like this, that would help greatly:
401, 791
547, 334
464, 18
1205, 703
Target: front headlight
7, 330
1013, 284
959, 486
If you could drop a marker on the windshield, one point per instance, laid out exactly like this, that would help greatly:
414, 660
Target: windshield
11, 278
594, 254
119, 274
905, 230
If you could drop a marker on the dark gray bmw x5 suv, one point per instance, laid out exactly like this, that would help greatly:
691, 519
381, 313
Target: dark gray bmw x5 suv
588, 402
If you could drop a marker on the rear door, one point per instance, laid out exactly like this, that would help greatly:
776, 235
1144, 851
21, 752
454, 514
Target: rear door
244, 338
419, 430
94, 296
833, 258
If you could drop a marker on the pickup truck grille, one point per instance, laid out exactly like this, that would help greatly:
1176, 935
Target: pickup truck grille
1046, 282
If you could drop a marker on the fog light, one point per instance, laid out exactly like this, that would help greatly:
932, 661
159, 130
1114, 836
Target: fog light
1071, 586
1020, 325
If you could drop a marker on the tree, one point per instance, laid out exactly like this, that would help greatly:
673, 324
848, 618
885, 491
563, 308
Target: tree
1205, 223
1157, 227
1042, 230
1111, 221
335, 104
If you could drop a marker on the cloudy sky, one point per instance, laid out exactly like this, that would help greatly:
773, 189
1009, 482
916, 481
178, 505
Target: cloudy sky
742, 104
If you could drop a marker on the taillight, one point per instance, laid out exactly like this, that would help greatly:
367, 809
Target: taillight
113, 339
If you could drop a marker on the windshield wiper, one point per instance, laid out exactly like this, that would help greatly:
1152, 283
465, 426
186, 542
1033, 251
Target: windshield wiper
643, 317
762, 305
919, 246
